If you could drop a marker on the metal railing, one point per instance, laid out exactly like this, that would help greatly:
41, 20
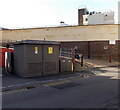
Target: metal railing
65, 54
72, 56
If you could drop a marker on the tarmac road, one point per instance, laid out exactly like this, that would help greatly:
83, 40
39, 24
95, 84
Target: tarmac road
99, 91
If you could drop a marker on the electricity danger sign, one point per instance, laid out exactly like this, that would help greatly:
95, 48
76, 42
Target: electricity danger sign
50, 50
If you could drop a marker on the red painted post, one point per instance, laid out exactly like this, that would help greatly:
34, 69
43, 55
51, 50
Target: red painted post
110, 59
73, 59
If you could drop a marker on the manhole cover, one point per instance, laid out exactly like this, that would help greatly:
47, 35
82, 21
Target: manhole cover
66, 85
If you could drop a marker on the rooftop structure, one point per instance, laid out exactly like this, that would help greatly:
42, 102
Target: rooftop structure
89, 18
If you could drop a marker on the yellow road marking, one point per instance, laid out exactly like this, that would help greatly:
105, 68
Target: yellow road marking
55, 83
14, 91
44, 85
86, 76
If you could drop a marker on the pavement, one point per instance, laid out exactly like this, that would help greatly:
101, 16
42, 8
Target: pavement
100, 63
12, 81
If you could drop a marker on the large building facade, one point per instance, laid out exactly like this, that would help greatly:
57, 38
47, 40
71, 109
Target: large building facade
94, 41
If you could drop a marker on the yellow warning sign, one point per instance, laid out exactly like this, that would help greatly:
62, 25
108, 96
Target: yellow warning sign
50, 50
36, 50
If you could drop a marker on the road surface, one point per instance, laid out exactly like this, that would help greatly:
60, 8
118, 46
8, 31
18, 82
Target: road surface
99, 91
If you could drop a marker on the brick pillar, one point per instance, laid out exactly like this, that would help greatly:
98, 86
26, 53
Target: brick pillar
81, 12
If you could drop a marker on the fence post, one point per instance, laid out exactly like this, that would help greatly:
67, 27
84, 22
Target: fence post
60, 51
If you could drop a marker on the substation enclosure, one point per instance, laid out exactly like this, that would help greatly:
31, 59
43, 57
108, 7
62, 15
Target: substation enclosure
36, 58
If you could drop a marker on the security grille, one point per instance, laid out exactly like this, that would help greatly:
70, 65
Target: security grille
50, 67
35, 68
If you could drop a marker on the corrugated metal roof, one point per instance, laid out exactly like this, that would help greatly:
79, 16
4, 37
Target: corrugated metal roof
36, 42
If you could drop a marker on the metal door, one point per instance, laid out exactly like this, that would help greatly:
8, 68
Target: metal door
63, 65
50, 59
34, 60
69, 65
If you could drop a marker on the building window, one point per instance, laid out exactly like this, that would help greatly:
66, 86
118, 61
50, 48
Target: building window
86, 19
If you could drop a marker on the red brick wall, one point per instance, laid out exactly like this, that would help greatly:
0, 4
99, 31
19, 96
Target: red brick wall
81, 12
95, 49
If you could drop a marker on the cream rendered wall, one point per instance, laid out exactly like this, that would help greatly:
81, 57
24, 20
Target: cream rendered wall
84, 19
70, 33
109, 19
96, 19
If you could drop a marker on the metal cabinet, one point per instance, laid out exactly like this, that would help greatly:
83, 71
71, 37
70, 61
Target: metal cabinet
69, 65
62, 65
66, 65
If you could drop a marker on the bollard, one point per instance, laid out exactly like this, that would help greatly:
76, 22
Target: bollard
110, 59
73, 59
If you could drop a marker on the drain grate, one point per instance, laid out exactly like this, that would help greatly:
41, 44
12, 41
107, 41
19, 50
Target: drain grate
66, 85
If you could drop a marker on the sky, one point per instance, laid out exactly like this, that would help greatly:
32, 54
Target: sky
39, 13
